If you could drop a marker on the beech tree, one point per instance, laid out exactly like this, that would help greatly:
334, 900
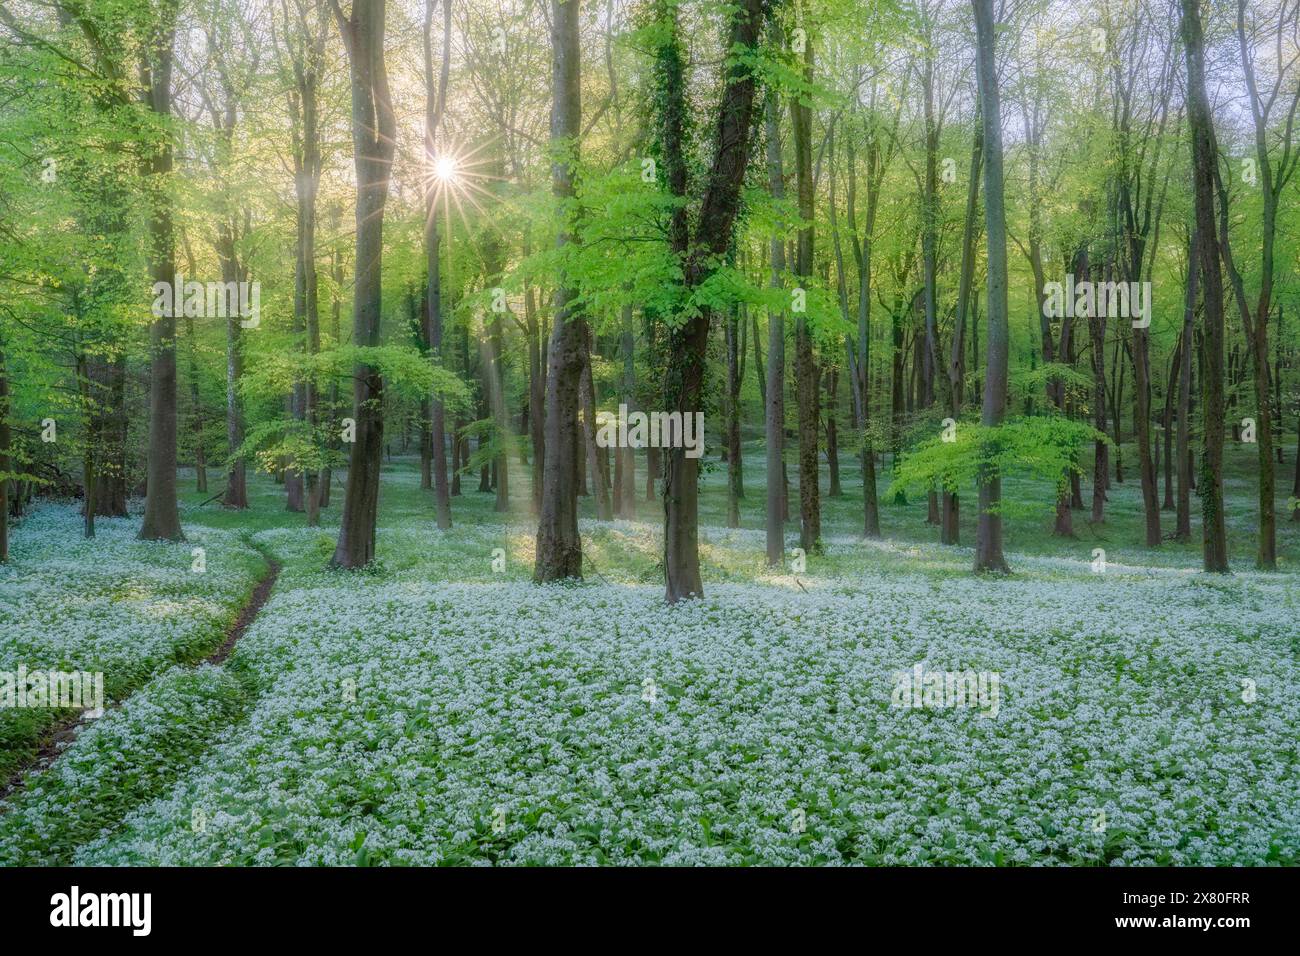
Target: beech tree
374, 130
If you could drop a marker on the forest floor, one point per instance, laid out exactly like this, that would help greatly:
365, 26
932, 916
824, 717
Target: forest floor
433, 709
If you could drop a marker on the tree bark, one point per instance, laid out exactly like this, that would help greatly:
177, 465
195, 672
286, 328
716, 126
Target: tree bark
1183, 511
595, 454
110, 428
6, 458
774, 403
434, 106
988, 547
950, 526
200, 454
162, 520
735, 488
806, 371
626, 506
688, 344
373, 135
559, 548
1204, 156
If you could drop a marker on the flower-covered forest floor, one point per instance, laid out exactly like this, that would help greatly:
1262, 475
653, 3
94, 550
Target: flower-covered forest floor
440, 708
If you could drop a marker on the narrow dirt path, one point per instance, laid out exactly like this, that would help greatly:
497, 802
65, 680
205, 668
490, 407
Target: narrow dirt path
248, 613
62, 734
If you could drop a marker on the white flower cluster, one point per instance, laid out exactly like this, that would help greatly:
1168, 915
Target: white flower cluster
115, 605
400, 720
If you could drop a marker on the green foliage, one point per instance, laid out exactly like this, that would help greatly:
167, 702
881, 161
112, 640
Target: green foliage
1033, 381
1044, 447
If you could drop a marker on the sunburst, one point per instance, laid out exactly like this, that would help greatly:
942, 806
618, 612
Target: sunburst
455, 175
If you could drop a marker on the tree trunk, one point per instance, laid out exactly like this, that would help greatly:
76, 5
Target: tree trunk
735, 489
434, 108
6, 458
806, 371
688, 345
1171, 382
1142, 430
1213, 528
988, 547
200, 456
162, 520
559, 548
1117, 400
626, 506
1100, 450
774, 403
110, 435
302, 484
373, 134
950, 526
1295, 485
595, 456
1183, 512
88, 454
536, 397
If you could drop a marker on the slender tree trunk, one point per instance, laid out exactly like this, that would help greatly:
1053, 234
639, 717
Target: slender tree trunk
6, 457
1183, 512
1257, 331
1142, 430
109, 377
1117, 401
950, 527
559, 549
626, 507
1295, 485
373, 134
832, 438
536, 398
806, 372
434, 106
988, 548
1171, 383
734, 487
774, 402
336, 309
688, 345
1213, 528
200, 456
162, 520
595, 458
88, 454
1100, 450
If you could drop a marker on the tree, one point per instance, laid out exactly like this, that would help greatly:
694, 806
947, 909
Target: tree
1183, 514
951, 509
6, 457
774, 400
435, 105
374, 130
305, 55
1276, 168
162, 520
1204, 159
705, 249
988, 546
806, 371
559, 548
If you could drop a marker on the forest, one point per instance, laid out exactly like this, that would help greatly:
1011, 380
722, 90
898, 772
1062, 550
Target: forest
639, 432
